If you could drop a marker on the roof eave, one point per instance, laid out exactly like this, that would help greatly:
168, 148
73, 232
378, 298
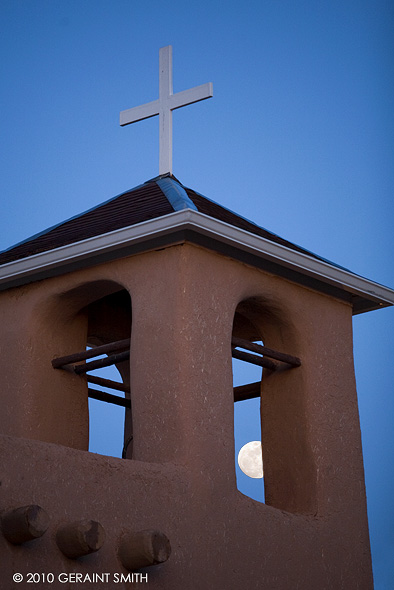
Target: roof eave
189, 225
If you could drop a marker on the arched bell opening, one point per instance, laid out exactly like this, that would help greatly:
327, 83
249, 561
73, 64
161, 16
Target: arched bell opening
103, 364
261, 376
247, 423
110, 424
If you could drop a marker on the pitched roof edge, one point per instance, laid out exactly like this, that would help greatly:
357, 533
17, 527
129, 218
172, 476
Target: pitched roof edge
148, 234
76, 216
271, 233
94, 208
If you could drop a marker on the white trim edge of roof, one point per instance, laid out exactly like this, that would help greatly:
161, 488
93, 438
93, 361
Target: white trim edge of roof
25, 269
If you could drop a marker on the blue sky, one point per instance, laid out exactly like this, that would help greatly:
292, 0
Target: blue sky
298, 137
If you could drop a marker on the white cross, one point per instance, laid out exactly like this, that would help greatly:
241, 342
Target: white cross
164, 106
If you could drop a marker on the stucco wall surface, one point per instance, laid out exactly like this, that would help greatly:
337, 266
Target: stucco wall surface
312, 532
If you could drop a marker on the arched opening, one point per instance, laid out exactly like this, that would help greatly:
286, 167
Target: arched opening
247, 416
267, 402
110, 425
103, 364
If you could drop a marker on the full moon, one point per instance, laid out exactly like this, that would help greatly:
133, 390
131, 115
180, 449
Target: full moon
250, 459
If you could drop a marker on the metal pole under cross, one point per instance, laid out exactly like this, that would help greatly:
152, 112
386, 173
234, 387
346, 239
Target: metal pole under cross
164, 106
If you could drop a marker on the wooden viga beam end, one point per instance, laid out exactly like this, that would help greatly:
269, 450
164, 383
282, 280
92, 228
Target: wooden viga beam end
62, 361
249, 391
287, 360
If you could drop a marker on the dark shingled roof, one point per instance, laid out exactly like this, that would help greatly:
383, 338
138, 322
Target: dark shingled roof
147, 201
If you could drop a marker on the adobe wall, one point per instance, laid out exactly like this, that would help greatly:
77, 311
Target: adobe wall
313, 531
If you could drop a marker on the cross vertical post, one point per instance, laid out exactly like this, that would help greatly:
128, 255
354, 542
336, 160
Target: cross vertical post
165, 114
164, 106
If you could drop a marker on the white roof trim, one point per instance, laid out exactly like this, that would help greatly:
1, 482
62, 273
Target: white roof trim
39, 265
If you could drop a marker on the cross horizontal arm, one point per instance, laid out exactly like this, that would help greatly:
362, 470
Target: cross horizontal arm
145, 111
190, 96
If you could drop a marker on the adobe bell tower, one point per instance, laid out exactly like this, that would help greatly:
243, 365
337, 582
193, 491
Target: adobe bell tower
168, 286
